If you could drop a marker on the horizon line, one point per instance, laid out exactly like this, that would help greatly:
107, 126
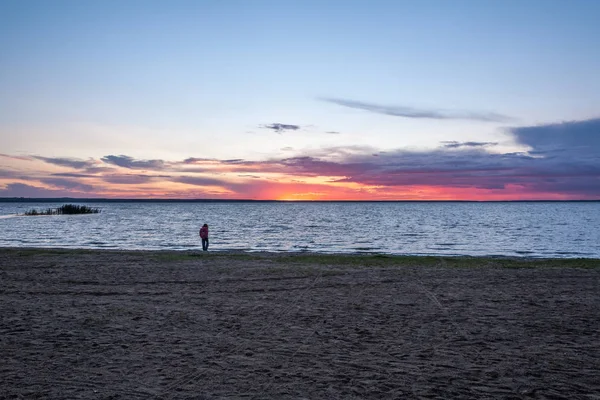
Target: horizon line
185, 200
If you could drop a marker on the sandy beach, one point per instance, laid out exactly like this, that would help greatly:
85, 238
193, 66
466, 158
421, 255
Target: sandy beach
173, 325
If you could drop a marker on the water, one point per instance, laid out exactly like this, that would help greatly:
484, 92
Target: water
551, 229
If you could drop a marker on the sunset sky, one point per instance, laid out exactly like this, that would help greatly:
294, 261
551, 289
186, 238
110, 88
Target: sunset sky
300, 99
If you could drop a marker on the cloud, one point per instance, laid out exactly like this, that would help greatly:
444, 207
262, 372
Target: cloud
409, 112
473, 168
333, 132
195, 160
68, 162
23, 190
563, 162
280, 128
199, 181
73, 175
9, 173
21, 158
581, 137
68, 184
129, 179
311, 166
456, 145
130, 163
252, 188
99, 170
573, 171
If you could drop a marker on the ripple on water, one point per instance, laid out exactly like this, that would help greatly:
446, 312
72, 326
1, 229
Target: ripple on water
364, 248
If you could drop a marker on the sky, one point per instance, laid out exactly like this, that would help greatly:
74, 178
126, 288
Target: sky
300, 99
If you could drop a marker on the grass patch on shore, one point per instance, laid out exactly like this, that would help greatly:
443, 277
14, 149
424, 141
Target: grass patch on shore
66, 209
314, 259
549, 263
383, 260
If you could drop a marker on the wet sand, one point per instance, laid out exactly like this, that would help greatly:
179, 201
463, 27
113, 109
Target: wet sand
164, 325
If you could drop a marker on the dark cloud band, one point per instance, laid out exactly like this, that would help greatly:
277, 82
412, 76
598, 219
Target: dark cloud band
130, 163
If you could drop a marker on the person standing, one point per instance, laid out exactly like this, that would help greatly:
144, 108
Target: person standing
204, 236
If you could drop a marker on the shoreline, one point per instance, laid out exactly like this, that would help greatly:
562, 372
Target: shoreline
166, 324
305, 253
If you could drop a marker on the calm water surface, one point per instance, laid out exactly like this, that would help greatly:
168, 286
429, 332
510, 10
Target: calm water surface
497, 229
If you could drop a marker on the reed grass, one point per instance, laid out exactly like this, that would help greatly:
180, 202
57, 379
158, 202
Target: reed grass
66, 209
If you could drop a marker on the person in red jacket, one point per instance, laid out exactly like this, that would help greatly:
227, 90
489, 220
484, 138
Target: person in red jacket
204, 236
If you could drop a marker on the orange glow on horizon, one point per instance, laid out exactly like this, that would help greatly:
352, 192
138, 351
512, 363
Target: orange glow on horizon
292, 191
252, 181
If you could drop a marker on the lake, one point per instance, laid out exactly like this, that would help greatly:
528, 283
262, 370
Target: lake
526, 229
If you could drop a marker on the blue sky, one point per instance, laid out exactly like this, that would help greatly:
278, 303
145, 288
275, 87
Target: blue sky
177, 79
